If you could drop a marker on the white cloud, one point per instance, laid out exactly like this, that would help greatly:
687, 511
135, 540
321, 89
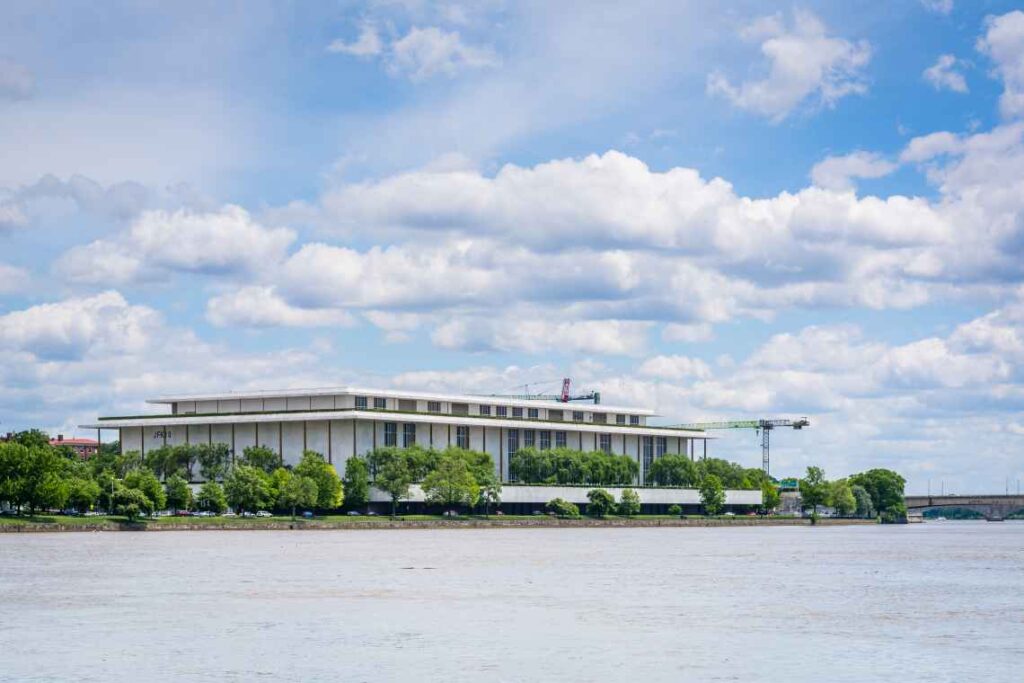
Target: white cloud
804, 63
528, 332
12, 215
257, 306
426, 52
692, 332
16, 81
675, 368
12, 278
938, 6
838, 172
158, 242
943, 75
1004, 43
368, 44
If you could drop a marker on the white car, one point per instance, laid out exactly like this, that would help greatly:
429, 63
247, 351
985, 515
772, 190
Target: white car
263, 513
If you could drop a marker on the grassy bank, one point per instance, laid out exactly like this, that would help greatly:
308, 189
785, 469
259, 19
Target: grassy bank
41, 523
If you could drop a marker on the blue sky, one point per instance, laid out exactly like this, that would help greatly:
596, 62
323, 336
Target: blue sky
737, 209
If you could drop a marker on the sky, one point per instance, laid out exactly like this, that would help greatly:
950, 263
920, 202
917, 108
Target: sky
727, 210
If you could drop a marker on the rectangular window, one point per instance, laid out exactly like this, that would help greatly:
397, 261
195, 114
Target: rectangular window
529, 438
360, 403
545, 439
533, 413
390, 433
513, 442
460, 409
620, 419
501, 411
462, 437
555, 415
433, 406
485, 410
600, 418
559, 439
634, 419
606, 443
408, 435
517, 412
407, 405
577, 416
648, 454
661, 447
380, 403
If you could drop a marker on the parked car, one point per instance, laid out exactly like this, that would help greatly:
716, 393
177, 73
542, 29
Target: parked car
230, 513
263, 513
371, 513
307, 515
354, 513
248, 514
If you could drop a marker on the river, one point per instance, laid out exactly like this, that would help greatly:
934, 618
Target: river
941, 601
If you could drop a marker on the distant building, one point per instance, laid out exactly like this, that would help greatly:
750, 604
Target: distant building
84, 448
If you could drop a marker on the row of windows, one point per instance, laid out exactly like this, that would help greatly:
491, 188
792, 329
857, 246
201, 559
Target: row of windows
410, 405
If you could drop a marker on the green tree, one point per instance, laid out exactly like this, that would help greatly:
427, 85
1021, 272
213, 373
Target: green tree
629, 503
865, 508
42, 483
356, 482
813, 489
147, 482
247, 488
770, 497
211, 497
712, 494
563, 508
14, 462
162, 461
214, 459
131, 502
32, 438
886, 490
675, 510
83, 492
178, 493
672, 470
393, 476
126, 462
261, 457
601, 503
323, 474
451, 483
841, 498
490, 491
297, 491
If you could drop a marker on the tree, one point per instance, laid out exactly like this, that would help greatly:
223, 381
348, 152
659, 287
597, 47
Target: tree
83, 493
712, 494
490, 491
813, 489
886, 490
42, 485
247, 488
865, 508
146, 481
261, 457
601, 502
770, 497
841, 498
32, 438
211, 497
323, 474
214, 459
130, 502
629, 503
162, 461
356, 483
451, 483
393, 477
13, 470
563, 508
179, 495
297, 491
675, 510
673, 470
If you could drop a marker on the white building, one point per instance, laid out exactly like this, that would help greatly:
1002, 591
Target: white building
342, 422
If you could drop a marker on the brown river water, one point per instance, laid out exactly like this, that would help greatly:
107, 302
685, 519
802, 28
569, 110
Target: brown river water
941, 601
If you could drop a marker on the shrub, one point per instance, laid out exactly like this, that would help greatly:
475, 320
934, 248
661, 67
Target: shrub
629, 503
675, 510
601, 503
562, 508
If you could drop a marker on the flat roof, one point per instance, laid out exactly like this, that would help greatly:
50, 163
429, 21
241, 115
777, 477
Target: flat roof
394, 393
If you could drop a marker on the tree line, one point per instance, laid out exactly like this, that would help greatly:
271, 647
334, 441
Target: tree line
874, 493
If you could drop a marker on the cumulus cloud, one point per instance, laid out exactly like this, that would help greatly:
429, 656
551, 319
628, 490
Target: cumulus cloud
943, 75
1003, 42
420, 54
838, 172
674, 368
528, 332
804, 63
16, 81
160, 242
257, 306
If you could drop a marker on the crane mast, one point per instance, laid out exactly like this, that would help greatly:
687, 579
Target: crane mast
764, 426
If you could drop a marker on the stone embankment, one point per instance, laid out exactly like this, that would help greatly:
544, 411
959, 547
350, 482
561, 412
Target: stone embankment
492, 523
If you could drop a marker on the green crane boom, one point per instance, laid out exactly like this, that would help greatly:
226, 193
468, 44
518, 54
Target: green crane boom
764, 426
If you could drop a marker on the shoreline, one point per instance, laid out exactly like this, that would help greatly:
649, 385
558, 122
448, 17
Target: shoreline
324, 525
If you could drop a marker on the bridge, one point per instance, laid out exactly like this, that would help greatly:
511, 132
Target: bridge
995, 508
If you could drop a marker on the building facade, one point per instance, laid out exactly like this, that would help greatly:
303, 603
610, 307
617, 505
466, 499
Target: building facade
342, 422
84, 448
